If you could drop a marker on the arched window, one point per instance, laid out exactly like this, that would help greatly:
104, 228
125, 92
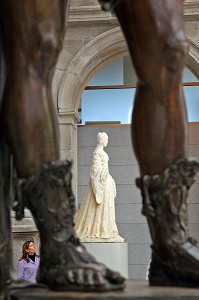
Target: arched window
109, 95
191, 91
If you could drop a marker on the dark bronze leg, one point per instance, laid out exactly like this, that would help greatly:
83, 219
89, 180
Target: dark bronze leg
21, 84
5, 226
154, 33
9, 281
29, 120
5, 222
31, 129
157, 40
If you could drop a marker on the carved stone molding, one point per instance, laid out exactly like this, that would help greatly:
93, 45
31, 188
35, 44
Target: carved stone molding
83, 65
191, 10
94, 14
193, 57
90, 14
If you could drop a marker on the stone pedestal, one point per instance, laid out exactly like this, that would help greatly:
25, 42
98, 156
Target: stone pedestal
113, 255
135, 290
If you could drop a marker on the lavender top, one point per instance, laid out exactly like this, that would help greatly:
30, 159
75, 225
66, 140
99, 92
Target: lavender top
28, 270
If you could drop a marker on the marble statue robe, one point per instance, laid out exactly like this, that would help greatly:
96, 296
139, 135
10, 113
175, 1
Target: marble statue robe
95, 220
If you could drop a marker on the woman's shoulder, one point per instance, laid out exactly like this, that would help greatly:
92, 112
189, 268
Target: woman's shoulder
22, 261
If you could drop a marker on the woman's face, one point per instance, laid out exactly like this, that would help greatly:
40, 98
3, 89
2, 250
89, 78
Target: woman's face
31, 248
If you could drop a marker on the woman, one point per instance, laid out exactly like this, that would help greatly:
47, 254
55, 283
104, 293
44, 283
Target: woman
95, 221
29, 263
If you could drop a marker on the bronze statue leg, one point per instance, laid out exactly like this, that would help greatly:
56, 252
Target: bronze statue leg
33, 29
26, 109
5, 205
5, 222
158, 49
8, 278
31, 50
157, 44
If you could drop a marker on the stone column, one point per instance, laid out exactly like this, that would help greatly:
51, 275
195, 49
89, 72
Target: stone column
68, 121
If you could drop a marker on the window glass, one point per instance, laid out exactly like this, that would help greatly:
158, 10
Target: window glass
109, 104
192, 102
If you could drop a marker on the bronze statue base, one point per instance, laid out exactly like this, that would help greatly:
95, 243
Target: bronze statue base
135, 290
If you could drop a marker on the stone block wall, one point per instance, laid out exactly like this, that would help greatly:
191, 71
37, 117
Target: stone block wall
123, 167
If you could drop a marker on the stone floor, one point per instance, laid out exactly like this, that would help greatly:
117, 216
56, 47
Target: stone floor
135, 290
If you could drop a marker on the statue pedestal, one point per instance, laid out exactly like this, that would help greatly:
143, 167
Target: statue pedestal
135, 290
113, 255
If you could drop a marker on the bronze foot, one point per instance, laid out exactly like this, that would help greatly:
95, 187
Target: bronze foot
175, 258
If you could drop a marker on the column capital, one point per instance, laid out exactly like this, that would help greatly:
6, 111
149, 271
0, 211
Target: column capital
68, 117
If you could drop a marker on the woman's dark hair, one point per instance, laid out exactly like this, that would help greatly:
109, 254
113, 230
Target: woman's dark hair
24, 252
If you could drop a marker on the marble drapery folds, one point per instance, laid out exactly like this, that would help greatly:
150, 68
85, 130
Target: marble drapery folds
95, 220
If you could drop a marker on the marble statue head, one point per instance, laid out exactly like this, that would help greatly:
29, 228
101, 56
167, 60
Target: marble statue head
102, 138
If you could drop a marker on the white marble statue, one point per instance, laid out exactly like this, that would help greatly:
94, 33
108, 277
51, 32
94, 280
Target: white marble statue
95, 220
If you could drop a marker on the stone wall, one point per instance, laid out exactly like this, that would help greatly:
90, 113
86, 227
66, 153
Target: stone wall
124, 169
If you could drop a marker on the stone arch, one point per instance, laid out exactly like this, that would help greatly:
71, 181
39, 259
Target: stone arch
85, 63
92, 57
193, 57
